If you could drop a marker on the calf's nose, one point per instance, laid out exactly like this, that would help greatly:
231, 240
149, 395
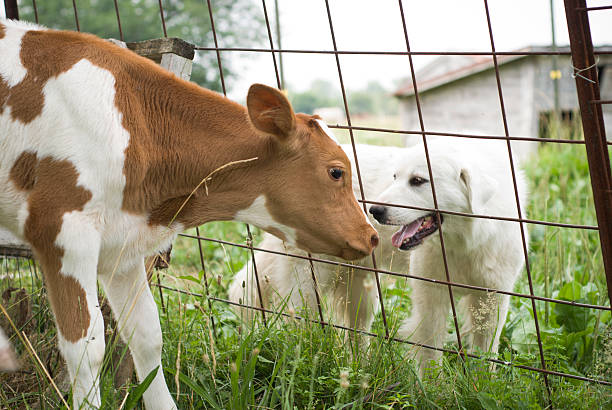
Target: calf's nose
378, 212
374, 240
362, 246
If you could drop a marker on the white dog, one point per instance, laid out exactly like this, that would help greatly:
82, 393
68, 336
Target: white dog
471, 177
350, 294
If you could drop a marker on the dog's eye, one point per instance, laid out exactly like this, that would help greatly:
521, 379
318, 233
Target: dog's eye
394, 176
416, 181
336, 173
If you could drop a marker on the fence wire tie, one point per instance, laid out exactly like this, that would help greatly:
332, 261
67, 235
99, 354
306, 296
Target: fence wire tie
577, 71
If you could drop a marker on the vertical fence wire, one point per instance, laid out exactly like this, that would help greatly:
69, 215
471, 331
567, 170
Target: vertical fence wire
280, 87
248, 228
278, 79
356, 160
11, 9
118, 20
206, 289
76, 15
516, 196
593, 100
431, 179
214, 32
278, 41
316, 290
256, 273
163, 19
35, 11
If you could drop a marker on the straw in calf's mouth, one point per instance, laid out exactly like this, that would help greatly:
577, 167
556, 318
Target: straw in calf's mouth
413, 234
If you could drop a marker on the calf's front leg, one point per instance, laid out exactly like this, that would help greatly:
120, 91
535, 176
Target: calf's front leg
135, 311
69, 262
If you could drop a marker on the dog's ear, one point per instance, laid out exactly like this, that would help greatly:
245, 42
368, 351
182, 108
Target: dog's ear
480, 189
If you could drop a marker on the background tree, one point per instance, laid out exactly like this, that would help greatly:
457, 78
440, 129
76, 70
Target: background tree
238, 23
320, 94
374, 99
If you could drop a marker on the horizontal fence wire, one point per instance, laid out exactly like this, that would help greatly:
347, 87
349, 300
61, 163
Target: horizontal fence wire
475, 136
437, 211
356, 160
518, 203
594, 8
399, 53
431, 179
399, 274
493, 53
498, 218
394, 339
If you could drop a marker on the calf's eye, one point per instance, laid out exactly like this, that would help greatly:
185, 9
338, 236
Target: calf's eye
336, 173
416, 181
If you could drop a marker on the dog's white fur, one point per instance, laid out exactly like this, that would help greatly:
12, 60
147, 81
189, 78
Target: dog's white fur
350, 293
470, 177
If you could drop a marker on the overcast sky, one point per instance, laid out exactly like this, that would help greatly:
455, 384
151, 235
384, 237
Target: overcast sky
434, 25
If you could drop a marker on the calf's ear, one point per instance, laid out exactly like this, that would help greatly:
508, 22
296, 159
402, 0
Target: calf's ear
480, 189
270, 111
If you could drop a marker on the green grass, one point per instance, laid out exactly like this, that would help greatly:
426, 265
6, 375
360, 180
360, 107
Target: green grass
297, 364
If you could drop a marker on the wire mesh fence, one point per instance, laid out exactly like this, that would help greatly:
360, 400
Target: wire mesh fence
585, 72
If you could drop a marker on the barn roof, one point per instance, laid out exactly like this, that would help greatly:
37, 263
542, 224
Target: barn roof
449, 68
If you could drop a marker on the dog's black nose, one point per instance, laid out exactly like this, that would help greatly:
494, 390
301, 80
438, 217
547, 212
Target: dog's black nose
378, 212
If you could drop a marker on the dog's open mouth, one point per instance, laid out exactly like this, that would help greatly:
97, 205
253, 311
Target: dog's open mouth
413, 234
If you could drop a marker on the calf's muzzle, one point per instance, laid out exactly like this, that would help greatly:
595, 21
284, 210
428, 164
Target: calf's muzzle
363, 247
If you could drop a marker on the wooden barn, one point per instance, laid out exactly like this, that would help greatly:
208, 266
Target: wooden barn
459, 93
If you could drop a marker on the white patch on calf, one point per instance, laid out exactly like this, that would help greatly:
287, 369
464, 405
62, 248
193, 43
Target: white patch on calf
257, 214
11, 69
90, 134
80, 241
326, 130
84, 357
78, 124
128, 237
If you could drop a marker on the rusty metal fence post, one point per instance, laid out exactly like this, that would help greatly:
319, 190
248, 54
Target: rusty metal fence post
587, 86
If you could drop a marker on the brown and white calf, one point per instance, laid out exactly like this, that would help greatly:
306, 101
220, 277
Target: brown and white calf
100, 150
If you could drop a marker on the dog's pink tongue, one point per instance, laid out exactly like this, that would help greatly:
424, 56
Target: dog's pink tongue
405, 232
